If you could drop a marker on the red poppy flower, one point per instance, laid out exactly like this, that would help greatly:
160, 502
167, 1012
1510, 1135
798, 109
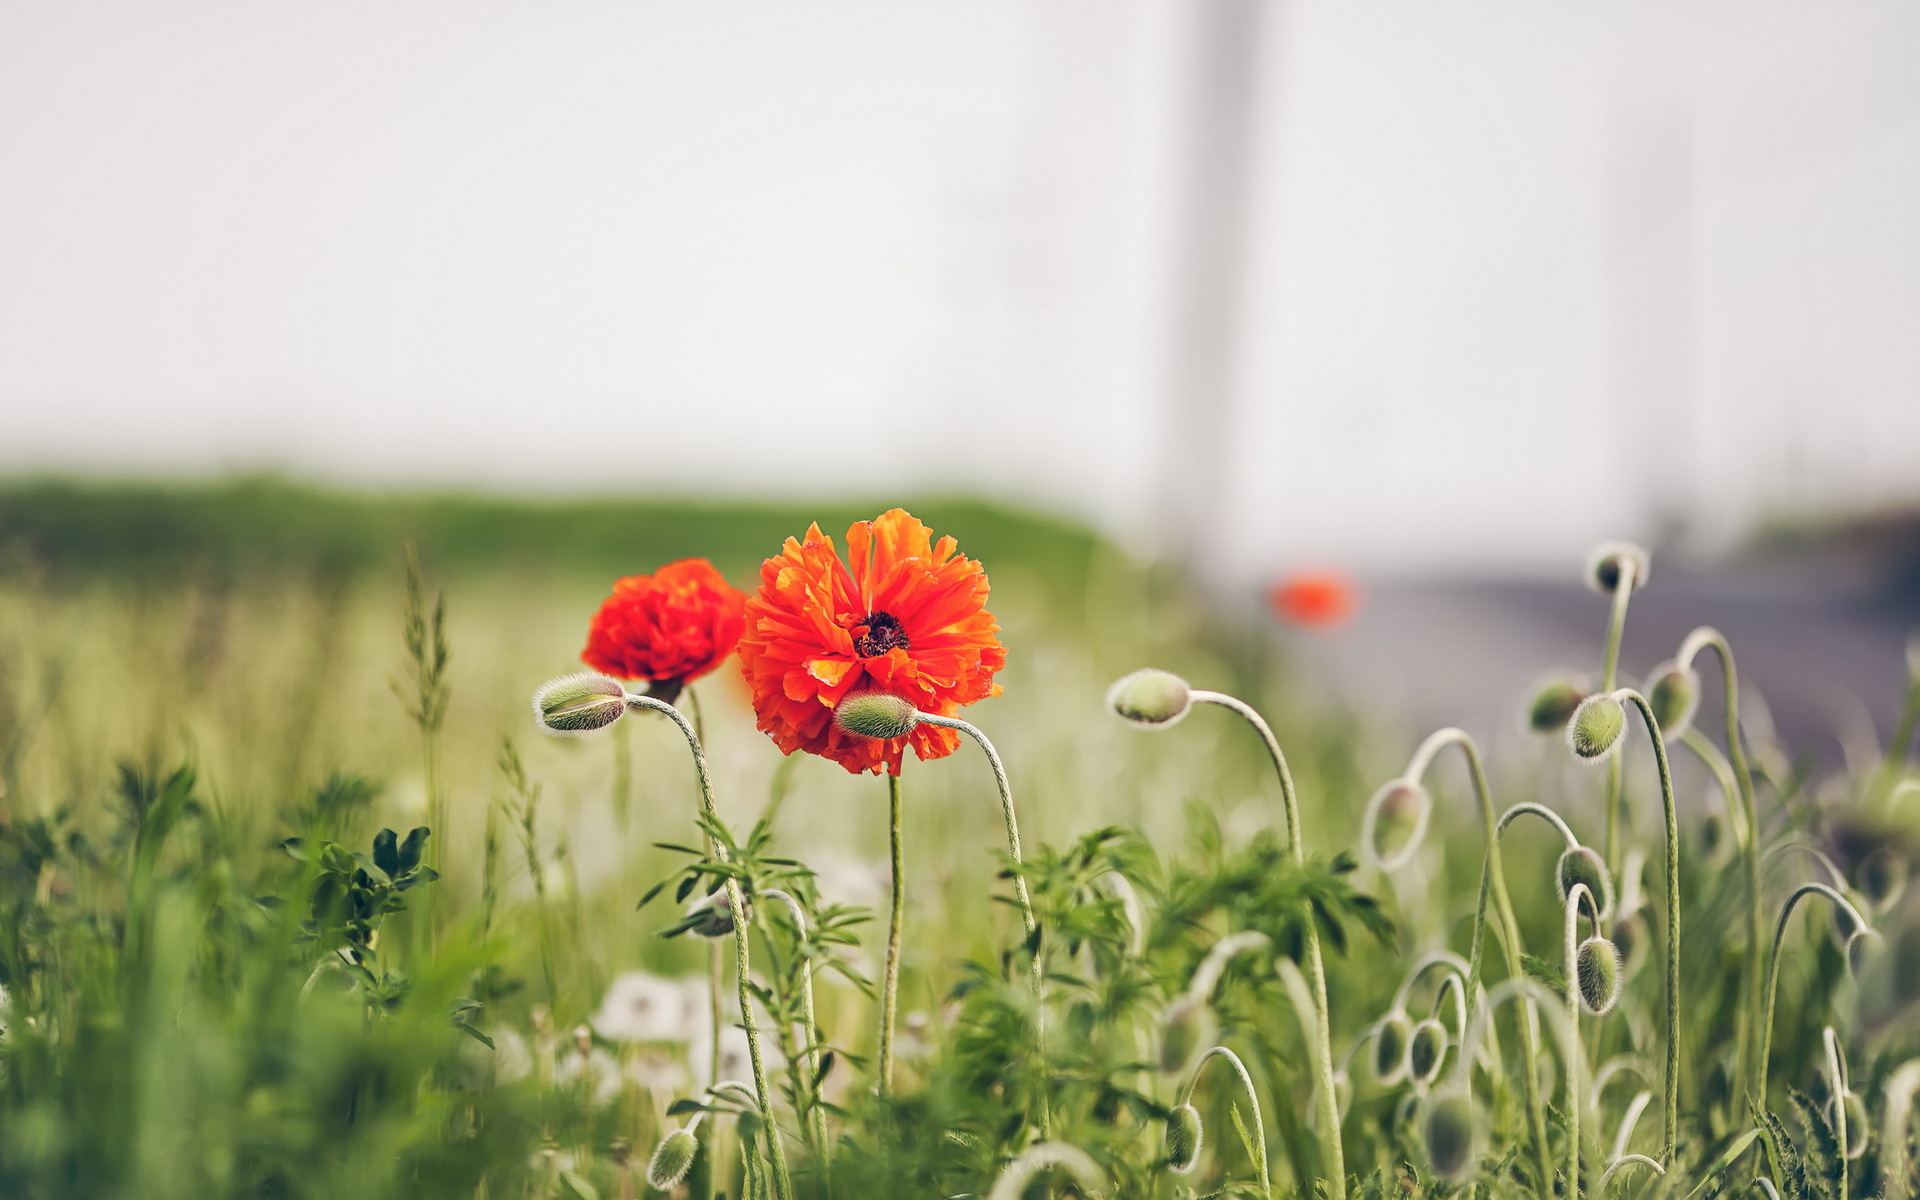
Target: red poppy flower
1315, 599
672, 626
903, 615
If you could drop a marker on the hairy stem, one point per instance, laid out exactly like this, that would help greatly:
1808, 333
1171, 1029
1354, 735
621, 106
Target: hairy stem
890, 990
1253, 1101
1616, 626
1671, 1118
1773, 970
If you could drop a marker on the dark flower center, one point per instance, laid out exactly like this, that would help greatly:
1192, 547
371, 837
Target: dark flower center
883, 634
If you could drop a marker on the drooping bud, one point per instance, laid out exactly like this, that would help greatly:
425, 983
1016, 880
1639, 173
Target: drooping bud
1883, 878
1184, 1134
1597, 971
1583, 864
1863, 948
1395, 821
1390, 1039
671, 1160
876, 715
1595, 729
1426, 1050
1856, 1110
1605, 563
1673, 692
1447, 1130
582, 703
1151, 698
1629, 937
1553, 706
716, 914
1185, 1027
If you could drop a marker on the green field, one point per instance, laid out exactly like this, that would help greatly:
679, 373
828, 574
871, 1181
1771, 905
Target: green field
191, 676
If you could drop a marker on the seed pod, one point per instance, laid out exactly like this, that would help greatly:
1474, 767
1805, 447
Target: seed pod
1395, 822
1447, 1130
1597, 971
582, 703
1390, 1039
1583, 864
716, 914
1883, 878
876, 715
1604, 563
1856, 1110
1184, 1134
1673, 692
1595, 729
1553, 706
1426, 1050
1185, 1027
672, 1159
1150, 698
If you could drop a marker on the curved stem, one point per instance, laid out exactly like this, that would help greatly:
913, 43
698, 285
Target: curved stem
1206, 976
1575, 1054
1421, 966
1627, 1160
1704, 638
1899, 1090
1616, 626
1773, 969
1528, 808
1837, 1077
1671, 1117
1253, 1100
1322, 1048
817, 1125
736, 906
890, 979
1493, 883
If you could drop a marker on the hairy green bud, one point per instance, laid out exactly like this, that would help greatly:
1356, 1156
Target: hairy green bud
1553, 706
1597, 969
1185, 1027
1582, 864
1184, 1134
1426, 1050
582, 703
1395, 822
1390, 1039
1151, 698
1594, 732
1446, 1129
1673, 693
876, 715
671, 1160
1605, 566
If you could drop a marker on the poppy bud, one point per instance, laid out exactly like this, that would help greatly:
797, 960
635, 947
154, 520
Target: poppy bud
1856, 1110
1426, 1050
1597, 970
1582, 864
672, 1159
582, 703
1447, 1130
1596, 727
1863, 948
1673, 693
1628, 937
1390, 1039
1883, 878
1605, 562
1184, 1133
876, 715
1185, 1027
1395, 821
716, 914
1553, 706
1151, 698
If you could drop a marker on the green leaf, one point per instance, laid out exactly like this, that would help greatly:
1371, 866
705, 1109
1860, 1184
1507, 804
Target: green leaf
414, 847
386, 851
1544, 971
579, 1186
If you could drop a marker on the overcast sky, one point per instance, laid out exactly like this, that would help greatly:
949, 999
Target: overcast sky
1511, 277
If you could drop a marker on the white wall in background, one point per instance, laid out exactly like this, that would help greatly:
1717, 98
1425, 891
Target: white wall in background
1517, 275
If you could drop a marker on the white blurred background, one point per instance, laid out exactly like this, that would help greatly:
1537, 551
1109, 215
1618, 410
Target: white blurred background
1403, 286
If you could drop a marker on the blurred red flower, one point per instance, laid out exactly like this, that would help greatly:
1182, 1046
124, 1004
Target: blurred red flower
1314, 599
670, 627
902, 615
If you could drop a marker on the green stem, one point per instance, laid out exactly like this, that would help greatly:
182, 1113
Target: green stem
1671, 1122
1493, 882
1322, 1048
816, 1110
1575, 1053
1253, 1101
889, 996
1837, 1072
1708, 638
736, 906
1616, 627
1773, 970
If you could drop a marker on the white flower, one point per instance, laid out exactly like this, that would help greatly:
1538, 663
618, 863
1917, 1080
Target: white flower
639, 1007
736, 1058
595, 1069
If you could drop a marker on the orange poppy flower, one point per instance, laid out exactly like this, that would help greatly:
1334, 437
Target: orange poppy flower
672, 626
1315, 599
903, 615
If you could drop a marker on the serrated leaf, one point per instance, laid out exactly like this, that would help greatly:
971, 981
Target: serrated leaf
1544, 971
